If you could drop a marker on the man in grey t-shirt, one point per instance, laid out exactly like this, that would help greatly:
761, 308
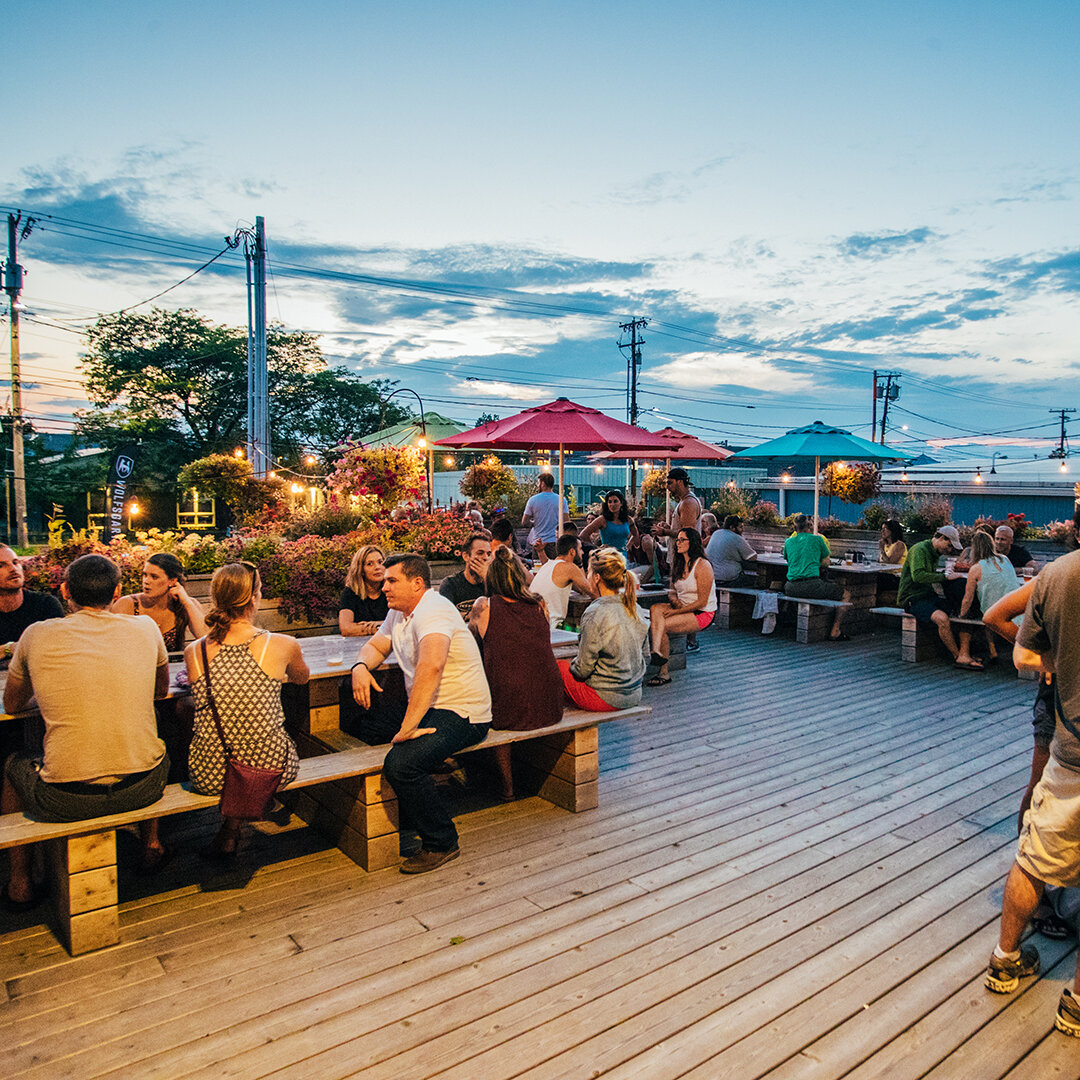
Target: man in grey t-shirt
1049, 847
729, 553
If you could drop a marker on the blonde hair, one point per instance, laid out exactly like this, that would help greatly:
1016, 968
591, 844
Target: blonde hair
232, 589
354, 579
982, 547
610, 567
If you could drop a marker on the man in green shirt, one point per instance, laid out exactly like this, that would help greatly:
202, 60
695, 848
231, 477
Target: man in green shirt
918, 596
807, 553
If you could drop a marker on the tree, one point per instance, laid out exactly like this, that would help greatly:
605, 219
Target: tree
173, 376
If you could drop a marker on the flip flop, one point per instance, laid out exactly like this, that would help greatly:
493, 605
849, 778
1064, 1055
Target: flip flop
1052, 926
973, 665
658, 680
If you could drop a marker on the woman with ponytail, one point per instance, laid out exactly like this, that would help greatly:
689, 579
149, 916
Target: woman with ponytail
247, 668
606, 674
165, 600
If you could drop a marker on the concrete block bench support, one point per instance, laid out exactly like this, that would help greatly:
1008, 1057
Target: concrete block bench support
813, 618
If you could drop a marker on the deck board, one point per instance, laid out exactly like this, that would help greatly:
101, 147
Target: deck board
794, 872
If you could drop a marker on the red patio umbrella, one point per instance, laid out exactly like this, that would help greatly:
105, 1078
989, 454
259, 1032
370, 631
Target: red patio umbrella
681, 447
560, 423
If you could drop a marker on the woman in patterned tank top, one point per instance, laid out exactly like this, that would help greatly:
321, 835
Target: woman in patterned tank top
247, 668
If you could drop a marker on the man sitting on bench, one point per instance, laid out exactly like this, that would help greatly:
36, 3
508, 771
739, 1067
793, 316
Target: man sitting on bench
448, 709
807, 554
918, 593
95, 674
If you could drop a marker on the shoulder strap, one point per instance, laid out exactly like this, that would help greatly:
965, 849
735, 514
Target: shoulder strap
210, 701
1070, 725
135, 603
265, 634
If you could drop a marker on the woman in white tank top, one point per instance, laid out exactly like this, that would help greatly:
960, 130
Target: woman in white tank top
693, 601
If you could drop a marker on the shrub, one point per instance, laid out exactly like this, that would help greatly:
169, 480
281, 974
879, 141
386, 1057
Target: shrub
876, 514
491, 484
390, 474
923, 514
1058, 531
733, 499
45, 571
307, 575
327, 520
763, 514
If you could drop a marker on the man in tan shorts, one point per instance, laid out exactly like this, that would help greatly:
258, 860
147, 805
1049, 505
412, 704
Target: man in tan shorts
1049, 847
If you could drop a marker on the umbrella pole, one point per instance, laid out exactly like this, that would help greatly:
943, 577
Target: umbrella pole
817, 478
562, 484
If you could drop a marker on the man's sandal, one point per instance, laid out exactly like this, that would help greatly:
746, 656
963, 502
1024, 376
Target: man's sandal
658, 680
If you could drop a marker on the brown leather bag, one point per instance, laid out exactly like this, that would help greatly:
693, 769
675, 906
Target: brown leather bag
248, 791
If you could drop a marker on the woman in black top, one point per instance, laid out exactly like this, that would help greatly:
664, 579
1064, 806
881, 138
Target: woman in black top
363, 605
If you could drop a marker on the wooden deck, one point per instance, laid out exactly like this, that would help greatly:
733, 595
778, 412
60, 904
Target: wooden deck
795, 872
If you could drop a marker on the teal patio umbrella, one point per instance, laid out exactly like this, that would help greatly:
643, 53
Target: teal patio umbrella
822, 443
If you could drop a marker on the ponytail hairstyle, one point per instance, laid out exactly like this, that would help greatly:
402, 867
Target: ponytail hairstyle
982, 547
506, 577
232, 591
610, 567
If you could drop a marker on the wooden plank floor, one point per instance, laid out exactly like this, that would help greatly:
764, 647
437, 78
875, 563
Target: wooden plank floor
795, 872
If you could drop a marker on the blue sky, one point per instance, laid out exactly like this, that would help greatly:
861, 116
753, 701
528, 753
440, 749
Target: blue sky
793, 193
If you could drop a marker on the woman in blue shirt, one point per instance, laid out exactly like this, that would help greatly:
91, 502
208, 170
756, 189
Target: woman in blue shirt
615, 525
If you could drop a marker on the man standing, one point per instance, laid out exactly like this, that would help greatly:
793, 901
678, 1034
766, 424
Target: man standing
918, 596
20, 607
95, 675
1019, 556
686, 514
1047, 853
463, 589
729, 553
542, 513
449, 704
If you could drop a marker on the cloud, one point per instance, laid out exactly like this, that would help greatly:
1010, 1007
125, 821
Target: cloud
666, 186
700, 370
881, 245
496, 389
1057, 273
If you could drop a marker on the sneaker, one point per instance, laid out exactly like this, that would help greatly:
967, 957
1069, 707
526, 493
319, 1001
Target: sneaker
1068, 1014
425, 861
1003, 976
692, 643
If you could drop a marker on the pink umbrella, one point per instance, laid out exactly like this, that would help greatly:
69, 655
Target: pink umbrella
560, 423
681, 447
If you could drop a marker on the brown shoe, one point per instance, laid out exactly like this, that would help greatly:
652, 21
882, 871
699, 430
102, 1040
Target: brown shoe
424, 861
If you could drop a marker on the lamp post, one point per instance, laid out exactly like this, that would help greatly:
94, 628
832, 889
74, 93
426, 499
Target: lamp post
993, 460
424, 441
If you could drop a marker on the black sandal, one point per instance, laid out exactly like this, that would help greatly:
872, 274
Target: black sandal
1053, 927
658, 680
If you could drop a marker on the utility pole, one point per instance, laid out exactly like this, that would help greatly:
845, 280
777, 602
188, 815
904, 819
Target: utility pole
13, 279
1062, 448
633, 362
258, 394
873, 415
889, 392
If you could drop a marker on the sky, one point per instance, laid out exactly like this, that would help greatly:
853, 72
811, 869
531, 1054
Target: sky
469, 198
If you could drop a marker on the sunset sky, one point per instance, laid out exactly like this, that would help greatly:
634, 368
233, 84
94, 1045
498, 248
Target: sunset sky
469, 198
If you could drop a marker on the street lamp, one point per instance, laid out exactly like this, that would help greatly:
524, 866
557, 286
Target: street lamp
993, 460
423, 432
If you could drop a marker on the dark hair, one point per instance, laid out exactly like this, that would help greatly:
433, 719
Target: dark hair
231, 591
91, 580
679, 473
546, 480
502, 530
466, 548
680, 567
172, 566
412, 566
894, 529
506, 577
566, 542
624, 513
800, 521
570, 528
732, 521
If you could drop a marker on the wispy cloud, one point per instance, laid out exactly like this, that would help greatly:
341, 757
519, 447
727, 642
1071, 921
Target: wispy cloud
493, 388
699, 370
881, 245
667, 185
1058, 272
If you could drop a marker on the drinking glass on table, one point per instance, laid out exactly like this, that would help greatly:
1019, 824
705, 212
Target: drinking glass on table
335, 651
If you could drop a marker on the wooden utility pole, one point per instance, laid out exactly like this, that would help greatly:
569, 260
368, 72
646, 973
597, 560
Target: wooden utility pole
633, 364
13, 277
258, 394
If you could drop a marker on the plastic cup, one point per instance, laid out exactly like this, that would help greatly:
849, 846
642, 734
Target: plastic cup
335, 651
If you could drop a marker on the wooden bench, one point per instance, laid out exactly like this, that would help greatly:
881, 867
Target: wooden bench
919, 641
341, 793
813, 618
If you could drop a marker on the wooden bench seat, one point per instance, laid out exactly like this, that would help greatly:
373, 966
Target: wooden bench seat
340, 792
813, 620
919, 641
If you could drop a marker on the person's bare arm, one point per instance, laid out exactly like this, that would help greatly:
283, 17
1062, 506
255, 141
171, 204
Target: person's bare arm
17, 693
1026, 660
575, 575
373, 653
974, 575
430, 661
1000, 617
349, 627
161, 680
591, 529
124, 605
193, 610
706, 583
479, 614
296, 669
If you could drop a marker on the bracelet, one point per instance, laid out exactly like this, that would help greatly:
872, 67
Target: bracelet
359, 663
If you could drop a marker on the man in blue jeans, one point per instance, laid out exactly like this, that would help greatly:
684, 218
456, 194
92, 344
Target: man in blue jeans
449, 704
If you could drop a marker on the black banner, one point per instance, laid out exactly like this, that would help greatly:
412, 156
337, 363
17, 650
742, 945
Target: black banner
120, 471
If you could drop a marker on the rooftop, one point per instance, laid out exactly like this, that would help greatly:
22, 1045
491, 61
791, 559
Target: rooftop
795, 872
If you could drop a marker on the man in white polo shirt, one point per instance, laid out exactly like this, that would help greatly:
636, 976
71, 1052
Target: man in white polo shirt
449, 704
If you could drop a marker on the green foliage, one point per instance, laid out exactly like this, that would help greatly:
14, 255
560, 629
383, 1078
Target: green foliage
490, 483
221, 476
327, 520
922, 514
877, 513
733, 499
388, 474
763, 513
851, 481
